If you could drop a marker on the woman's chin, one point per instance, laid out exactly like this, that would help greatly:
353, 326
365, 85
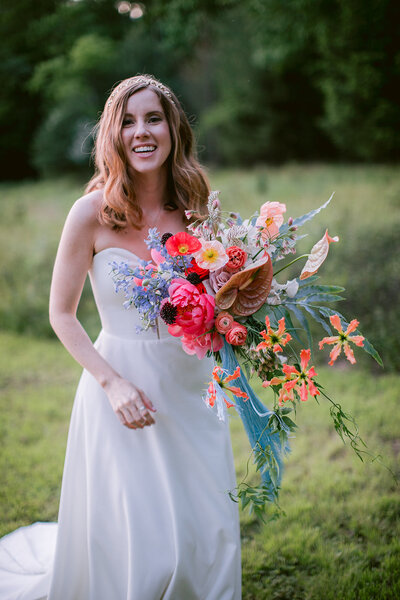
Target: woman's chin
147, 168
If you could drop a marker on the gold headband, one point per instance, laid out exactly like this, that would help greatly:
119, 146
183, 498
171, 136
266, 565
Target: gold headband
146, 80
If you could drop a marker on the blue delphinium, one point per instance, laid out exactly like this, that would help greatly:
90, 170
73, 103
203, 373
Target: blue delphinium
154, 239
148, 296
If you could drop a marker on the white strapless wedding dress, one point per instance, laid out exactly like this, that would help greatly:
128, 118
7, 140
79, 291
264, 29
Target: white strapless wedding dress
144, 514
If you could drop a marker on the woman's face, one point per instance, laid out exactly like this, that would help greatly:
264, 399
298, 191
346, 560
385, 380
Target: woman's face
145, 133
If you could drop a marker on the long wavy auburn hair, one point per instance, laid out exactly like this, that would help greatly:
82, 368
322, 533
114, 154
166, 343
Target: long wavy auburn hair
188, 186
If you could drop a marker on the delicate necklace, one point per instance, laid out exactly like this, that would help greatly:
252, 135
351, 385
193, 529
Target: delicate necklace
156, 221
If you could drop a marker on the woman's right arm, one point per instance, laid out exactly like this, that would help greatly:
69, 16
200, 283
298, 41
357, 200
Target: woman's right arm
74, 257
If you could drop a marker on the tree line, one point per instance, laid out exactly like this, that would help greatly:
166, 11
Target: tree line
262, 80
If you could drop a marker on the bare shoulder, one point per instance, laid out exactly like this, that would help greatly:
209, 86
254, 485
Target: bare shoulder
86, 209
81, 226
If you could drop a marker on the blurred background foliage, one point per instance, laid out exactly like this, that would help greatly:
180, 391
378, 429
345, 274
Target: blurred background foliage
264, 82
267, 80
364, 213
290, 100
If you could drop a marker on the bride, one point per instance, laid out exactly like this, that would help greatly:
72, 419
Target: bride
144, 511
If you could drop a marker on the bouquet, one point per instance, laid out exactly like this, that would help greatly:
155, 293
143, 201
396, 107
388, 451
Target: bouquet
216, 288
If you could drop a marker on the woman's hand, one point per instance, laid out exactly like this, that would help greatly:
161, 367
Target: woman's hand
130, 404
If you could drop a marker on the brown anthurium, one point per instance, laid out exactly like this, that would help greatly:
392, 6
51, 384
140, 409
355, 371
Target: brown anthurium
246, 291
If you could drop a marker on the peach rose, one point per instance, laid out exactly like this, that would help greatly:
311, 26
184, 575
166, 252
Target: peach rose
223, 322
237, 258
237, 334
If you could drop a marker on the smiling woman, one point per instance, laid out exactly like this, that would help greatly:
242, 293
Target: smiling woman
121, 133
145, 134
144, 511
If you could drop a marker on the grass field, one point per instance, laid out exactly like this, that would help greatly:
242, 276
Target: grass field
340, 536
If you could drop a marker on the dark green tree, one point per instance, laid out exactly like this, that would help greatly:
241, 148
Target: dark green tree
268, 80
20, 110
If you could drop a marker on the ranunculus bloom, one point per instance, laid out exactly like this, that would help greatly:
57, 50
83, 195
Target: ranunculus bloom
237, 258
182, 243
199, 345
237, 334
270, 219
195, 310
211, 256
218, 278
223, 322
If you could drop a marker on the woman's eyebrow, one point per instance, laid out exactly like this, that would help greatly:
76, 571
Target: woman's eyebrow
151, 112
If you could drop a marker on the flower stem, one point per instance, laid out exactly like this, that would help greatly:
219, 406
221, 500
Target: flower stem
257, 253
291, 263
183, 265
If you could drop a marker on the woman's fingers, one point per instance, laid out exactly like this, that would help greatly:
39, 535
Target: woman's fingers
128, 419
146, 416
136, 415
131, 404
144, 406
147, 402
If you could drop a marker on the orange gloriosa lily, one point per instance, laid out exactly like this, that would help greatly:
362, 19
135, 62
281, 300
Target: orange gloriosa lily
342, 340
218, 376
284, 394
296, 381
274, 340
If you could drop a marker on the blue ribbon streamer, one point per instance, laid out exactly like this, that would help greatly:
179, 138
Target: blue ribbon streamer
255, 417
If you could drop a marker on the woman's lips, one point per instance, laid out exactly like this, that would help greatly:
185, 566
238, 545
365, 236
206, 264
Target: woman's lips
145, 150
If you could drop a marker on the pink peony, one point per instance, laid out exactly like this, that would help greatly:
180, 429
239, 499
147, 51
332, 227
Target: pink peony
199, 345
237, 334
218, 278
182, 293
270, 219
237, 258
195, 310
223, 322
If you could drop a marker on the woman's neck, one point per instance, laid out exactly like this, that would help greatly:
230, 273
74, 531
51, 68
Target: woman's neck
151, 191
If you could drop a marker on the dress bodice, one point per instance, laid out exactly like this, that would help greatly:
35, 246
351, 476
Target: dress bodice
116, 319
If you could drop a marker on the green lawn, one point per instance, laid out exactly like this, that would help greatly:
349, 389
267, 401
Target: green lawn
340, 536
